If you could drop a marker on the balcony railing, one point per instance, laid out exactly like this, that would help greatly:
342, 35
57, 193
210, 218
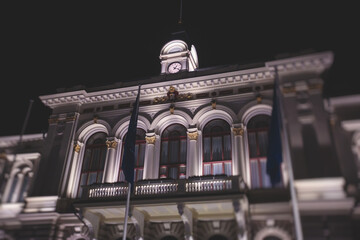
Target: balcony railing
167, 187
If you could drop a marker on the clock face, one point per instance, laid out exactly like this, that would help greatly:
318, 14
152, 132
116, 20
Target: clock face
174, 67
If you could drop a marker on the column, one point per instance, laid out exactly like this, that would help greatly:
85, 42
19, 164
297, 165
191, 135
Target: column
149, 169
75, 170
238, 163
187, 218
240, 217
138, 219
17, 191
192, 162
110, 162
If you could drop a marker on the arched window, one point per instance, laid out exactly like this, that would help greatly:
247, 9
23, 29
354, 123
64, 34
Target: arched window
258, 128
173, 152
140, 145
94, 160
217, 148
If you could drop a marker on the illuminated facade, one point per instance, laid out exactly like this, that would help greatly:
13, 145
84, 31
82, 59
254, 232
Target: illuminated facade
200, 157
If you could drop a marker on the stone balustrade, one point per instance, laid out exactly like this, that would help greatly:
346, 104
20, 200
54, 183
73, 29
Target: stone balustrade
166, 187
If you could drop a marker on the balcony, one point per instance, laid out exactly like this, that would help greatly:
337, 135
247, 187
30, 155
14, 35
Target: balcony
160, 188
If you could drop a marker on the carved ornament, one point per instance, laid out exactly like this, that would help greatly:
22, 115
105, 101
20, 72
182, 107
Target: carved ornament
238, 131
150, 140
111, 144
193, 135
77, 148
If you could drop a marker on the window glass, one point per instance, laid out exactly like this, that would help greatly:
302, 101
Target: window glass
164, 151
207, 149
217, 168
141, 154
173, 152
227, 147
217, 148
258, 128
207, 169
227, 167
94, 160
140, 145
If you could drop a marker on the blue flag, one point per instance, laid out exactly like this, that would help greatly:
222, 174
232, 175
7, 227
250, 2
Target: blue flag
274, 152
128, 161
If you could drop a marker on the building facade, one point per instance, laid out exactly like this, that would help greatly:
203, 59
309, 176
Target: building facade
200, 171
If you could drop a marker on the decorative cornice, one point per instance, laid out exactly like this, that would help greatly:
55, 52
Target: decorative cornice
193, 85
150, 140
10, 141
317, 60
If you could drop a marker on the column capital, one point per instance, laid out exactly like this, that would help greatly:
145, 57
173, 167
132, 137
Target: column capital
77, 147
111, 143
238, 131
150, 139
193, 135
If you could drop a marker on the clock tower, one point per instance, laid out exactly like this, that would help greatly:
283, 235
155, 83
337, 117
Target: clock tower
178, 54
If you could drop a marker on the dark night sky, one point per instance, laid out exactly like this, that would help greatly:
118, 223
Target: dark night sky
51, 45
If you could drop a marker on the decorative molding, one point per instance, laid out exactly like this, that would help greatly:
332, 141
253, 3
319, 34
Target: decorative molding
238, 131
319, 61
286, 90
11, 141
259, 99
111, 144
193, 135
150, 140
272, 232
77, 148
70, 118
53, 120
173, 96
3, 156
213, 104
172, 108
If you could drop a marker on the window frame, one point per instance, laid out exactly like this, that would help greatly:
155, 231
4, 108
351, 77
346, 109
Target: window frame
140, 140
211, 135
181, 138
100, 165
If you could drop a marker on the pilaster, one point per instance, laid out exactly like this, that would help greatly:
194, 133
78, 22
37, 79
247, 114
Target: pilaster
193, 162
149, 161
110, 162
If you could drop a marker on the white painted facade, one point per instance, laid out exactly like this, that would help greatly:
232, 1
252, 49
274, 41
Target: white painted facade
198, 205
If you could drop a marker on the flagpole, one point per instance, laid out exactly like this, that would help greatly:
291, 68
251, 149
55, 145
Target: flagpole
127, 211
24, 127
295, 207
128, 160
